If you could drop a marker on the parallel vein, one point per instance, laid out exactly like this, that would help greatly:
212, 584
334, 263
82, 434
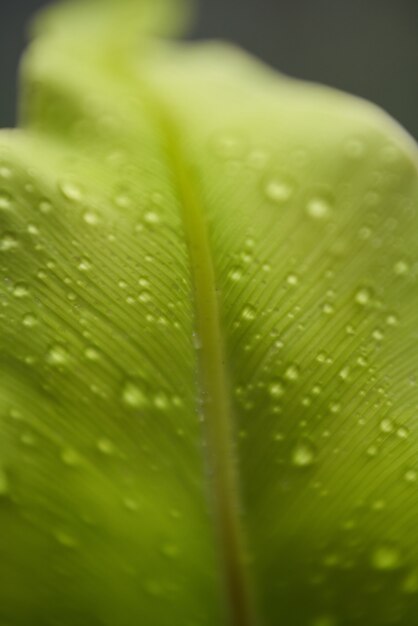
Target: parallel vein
215, 401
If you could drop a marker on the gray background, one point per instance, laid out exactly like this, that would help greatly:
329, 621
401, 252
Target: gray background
366, 47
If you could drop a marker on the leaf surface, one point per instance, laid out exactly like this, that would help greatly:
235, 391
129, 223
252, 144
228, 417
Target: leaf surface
209, 339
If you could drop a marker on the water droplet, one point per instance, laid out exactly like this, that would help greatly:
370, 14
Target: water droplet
130, 504
328, 308
372, 450
292, 372
91, 218
65, 539
33, 230
70, 191
402, 432
145, 297
123, 201
278, 189
161, 401
363, 296
319, 208
386, 558
387, 425
5, 172
292, 279
227, 146
303, 454
378, 505
322, 357
276, 389
105, 446
401, 268
84, 265
249, 313
29, 320
410, 584
70, 457
411, 476
235, 274
392, 320
151, 218
378, 335
92, 354
5, 201
8, 242
133, 395
170, 550
20, 290
57, 355
45, 206
143, 282
344, 373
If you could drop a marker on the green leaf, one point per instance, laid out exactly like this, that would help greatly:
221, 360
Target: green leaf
209, 305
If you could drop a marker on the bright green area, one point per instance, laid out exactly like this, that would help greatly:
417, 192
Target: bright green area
209, 339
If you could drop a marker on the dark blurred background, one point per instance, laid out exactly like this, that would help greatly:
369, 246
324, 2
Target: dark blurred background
366, 47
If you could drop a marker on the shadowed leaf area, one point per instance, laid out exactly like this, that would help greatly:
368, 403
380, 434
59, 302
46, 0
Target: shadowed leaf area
209, 307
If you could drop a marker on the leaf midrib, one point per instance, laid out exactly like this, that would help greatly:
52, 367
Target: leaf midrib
214, 389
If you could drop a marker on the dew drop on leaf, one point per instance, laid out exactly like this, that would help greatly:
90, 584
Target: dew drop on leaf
70, 457
328, 308
292, 372
57, 355
344, 373
29, 320
130, 504
20, 290
235, 274
84, 265
161, 401
151, 218
70, 191
5, 201
91, 218
401, 268
392, 320
402, 432
303, 454
386, 558
292, 280
276, 389
410, 583
387, 425
144, 297
8, 242
249, 313
378, 335
411, 476
372, 450
363, 296
5, 172
65, 539
133, 396
319, 208
278, 190
105, 446
170, 550
45, 206
91, 354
